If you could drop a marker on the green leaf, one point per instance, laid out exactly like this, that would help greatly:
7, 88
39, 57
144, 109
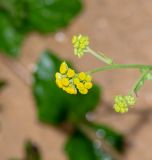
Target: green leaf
51, 15
10, 37
113, 137
79, 147
18, 17
17, 11
53, 104
80, 104
49, 98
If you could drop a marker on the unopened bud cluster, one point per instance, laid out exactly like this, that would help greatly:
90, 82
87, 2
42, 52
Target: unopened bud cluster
72, 82
122, 103
80, 44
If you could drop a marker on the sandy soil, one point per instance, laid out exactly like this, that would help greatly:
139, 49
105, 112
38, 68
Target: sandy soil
123, 30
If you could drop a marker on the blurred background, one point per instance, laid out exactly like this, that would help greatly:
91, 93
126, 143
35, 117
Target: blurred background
121, 29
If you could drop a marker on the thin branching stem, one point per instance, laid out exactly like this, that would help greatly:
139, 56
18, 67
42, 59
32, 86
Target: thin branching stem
120, 66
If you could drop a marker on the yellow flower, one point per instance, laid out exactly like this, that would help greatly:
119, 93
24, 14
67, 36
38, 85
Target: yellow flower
63, 68
88, 85
65, 81
57, 75
83, 91
121, 109
70, 73
71, 90
74, 39
76, 81
59, 83
80, 86
130, 100
80, 44
88, 78
72, 82
122, 103
82, 76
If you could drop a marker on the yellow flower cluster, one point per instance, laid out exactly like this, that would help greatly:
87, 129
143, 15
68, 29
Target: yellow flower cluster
80, 44
123, 102
72, 82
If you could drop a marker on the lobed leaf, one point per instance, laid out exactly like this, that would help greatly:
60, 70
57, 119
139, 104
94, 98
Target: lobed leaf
18, 17
53, 104
79, 147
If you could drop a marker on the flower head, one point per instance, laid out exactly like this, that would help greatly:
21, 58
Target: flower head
122, 103
80, 44
72, 82
130, 100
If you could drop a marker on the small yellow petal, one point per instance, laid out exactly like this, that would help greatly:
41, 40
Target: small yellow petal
59, 83
80, 86
82, 76
65, 82
83, 91
76, 81
74, 39
71, 90
70, 73
88, 85
88, 78
57, 75
63, 68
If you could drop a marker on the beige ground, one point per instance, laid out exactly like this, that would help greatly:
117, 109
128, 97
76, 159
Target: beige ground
122, 29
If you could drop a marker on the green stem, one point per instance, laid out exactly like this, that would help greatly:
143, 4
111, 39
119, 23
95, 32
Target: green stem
100, 56
120, 66
141, 78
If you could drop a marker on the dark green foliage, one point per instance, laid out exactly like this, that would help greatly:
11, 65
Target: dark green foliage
49, 15
79, 147
18, 17
53, 104
9, 36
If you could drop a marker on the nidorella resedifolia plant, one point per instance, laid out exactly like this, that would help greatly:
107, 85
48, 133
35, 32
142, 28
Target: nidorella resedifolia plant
72, 82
